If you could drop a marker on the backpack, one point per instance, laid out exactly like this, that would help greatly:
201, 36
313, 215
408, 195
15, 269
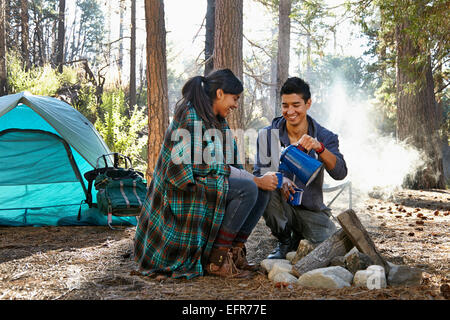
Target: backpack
120, 191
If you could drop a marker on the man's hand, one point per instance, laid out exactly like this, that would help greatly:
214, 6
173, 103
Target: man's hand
308, 143
287, 188
327, 157
268, 182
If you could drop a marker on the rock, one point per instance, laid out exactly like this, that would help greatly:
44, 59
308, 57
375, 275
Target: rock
375, 268
290, 256
279, 267
284, 277
400, 275
304, 247
352, 251
328, 278
338, 261
372, 278
267, 264
354, 261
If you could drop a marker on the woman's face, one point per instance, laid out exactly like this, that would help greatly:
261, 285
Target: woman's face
224, 103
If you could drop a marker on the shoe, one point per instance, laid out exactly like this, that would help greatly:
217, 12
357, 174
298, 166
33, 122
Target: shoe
221, 264
280, 251
295, 241
240, 259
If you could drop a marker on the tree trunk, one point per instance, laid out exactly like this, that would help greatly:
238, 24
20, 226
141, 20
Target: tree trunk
284, 33
308, 55
61, 35
228, 42
141, 73
133, 55
109, 26
157, 97
3, 72
209, 36
5, 21
24, 27
274, 108
121, 12
417, 119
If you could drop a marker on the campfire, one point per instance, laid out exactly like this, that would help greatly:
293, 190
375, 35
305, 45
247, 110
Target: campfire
349, 257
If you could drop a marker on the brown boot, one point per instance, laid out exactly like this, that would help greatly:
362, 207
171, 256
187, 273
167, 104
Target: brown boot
240, 259
221, 264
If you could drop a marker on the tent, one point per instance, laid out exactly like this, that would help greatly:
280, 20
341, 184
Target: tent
46, 146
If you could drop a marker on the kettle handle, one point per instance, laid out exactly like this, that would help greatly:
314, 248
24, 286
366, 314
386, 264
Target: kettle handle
299, 147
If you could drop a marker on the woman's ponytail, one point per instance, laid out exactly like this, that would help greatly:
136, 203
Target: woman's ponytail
195, 93
200, 92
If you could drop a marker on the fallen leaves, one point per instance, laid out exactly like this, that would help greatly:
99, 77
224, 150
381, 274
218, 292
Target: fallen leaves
281, 285
445, 290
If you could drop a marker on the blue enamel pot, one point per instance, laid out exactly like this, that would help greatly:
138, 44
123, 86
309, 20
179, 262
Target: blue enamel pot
300, 164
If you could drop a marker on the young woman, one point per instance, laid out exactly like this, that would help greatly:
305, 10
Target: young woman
201, 207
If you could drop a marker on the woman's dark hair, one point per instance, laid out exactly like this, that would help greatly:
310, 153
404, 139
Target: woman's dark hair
200, 92
298, 86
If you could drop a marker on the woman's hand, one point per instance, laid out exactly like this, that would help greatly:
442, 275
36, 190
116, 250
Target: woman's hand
268, 182
287, 188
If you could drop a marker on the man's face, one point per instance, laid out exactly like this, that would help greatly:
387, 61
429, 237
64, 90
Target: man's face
294, 108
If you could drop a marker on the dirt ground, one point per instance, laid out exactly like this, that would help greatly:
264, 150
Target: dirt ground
96, 263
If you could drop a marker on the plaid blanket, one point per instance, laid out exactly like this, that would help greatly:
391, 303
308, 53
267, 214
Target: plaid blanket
182, 214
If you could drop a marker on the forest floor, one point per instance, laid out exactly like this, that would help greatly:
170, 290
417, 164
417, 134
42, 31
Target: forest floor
96, 263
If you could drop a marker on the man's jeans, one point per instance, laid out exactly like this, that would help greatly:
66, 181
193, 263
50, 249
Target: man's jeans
245, 204
282, 218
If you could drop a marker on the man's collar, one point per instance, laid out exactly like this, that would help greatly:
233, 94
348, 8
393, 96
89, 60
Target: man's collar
284, 137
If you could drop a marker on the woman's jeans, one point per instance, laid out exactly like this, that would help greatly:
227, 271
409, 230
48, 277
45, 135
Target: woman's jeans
245, 204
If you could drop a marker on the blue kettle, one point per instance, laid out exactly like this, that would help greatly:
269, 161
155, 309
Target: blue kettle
300, 164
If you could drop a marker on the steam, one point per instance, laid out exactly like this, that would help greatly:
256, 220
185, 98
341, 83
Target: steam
377, 164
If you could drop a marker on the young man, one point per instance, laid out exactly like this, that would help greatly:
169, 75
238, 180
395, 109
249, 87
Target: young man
311, 219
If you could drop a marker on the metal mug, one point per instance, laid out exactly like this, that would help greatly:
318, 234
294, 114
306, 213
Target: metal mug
280, 179
295, 199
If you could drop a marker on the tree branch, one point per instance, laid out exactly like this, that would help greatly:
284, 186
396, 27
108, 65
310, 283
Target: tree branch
259, 47
257, 78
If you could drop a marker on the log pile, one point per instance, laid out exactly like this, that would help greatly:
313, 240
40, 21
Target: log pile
319, 268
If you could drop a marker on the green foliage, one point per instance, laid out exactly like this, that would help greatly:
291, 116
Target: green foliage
309, 21
350, 71
386, 23
69, 76
90, 33
38, 80
86, 103
386, 104
123, 134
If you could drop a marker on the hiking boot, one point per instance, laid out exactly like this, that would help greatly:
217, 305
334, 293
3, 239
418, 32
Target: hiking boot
240, 259
221, 264
281, 250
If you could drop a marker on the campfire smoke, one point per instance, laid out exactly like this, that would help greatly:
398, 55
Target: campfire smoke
377, 163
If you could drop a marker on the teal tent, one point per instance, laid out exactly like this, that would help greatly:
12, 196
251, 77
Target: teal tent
46, 146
